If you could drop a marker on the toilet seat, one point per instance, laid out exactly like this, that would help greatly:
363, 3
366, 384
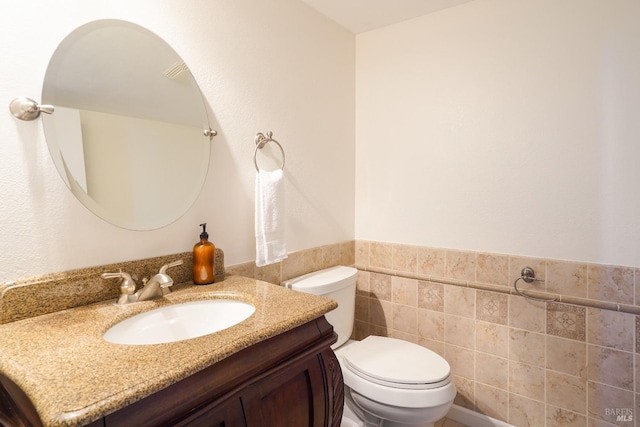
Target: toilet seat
399, 392
397, 364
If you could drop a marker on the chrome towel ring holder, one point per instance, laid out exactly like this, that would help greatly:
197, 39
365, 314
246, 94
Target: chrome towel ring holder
261, 141
528, 275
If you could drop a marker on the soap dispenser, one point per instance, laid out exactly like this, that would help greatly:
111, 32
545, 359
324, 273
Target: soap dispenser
203, 259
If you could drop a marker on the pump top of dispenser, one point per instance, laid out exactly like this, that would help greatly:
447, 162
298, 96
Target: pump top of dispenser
204, 234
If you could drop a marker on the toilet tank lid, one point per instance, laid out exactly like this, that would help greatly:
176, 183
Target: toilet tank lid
323, 281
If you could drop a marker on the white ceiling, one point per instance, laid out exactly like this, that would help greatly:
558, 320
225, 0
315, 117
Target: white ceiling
363, 15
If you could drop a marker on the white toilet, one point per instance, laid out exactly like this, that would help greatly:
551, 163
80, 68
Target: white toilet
388, 382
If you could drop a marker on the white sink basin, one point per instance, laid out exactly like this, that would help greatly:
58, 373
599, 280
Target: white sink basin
179, 322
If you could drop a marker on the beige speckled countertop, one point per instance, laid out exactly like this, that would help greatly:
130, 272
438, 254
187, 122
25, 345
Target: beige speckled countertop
74, 377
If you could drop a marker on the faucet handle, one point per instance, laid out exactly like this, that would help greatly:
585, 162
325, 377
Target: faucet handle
164, 268
127, 286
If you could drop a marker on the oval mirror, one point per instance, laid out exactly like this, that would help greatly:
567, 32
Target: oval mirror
128, 134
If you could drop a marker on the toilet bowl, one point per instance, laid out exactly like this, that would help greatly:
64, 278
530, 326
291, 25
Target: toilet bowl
388, 382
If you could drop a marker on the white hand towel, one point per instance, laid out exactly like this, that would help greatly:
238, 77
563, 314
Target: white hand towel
269, 195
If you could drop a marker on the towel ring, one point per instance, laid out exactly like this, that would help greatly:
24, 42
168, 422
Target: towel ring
528, 275
261, 140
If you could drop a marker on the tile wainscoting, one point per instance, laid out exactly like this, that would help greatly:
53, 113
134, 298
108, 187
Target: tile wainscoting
299, 263
568, 363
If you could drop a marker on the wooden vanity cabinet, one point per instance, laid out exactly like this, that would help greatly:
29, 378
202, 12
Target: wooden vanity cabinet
293, 379
290, 380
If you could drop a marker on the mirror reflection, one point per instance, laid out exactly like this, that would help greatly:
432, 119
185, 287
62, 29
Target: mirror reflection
127, 135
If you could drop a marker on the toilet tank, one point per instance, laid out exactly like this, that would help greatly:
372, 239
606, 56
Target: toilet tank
339, 284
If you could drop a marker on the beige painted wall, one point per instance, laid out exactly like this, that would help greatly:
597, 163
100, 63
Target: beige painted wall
261, 66
503, 126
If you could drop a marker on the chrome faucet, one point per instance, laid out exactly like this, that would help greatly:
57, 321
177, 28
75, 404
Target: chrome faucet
153, 288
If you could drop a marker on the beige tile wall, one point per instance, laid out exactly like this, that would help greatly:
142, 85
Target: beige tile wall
574, 362
299, 263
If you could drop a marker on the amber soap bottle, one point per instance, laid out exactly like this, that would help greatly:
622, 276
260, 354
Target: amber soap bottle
203, 259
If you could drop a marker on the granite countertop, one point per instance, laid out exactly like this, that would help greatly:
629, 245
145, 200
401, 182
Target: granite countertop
73, 376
